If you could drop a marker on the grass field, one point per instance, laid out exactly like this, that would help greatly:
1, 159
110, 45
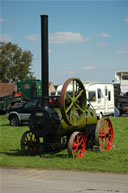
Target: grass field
114, 160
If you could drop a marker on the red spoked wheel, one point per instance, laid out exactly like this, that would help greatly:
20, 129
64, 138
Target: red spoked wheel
104, 134
30, 144
77, 145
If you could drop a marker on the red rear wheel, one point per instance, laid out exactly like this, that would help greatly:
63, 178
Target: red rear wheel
77, 145
104, 134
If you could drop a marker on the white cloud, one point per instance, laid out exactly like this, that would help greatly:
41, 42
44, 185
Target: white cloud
32, 37
60, 37
88, 67
126, 19
1, 20
122, 51
102, 45
103, 35
69, 72
66, 37
5, 38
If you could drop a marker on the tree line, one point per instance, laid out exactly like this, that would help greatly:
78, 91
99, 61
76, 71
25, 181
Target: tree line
15, 64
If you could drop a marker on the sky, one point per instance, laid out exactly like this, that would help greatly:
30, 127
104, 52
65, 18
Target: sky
87, 39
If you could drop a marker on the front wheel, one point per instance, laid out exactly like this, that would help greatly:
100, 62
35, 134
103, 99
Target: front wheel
77, 145
14, 121
30, 143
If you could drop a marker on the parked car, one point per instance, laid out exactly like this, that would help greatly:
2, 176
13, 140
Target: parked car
20, 113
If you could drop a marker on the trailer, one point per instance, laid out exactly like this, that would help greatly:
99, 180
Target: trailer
121, 92
9, 101
122, 80
29, 88
24, 90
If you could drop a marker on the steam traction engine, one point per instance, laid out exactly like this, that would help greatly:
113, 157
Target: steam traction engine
68, 122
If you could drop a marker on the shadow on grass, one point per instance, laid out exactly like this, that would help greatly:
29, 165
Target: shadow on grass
7, 124
3, 125
42, 155
16, 152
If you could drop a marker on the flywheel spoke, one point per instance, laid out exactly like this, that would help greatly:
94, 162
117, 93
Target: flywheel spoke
79, 107
71, 98
80, 93
68, 109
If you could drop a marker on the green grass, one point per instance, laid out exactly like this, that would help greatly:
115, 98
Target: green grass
114, 160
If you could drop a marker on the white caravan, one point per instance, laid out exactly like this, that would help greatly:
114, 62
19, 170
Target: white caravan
59, 88
100, 95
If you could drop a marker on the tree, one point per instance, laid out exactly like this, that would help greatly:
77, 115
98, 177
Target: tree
15, 64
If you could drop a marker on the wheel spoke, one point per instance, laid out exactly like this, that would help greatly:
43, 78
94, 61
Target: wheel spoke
30, 143
80, 93
75, 148
101, 134
102, 144
81, 141
69, 96
78, 137
67, 110
79, 107
74, 145
77, 145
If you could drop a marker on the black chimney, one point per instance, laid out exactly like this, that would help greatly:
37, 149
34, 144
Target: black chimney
44, 61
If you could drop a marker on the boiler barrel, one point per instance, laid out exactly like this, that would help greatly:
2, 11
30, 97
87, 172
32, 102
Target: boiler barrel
51, 122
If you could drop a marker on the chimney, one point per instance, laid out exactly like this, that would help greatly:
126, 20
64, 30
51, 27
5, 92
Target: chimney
44, 61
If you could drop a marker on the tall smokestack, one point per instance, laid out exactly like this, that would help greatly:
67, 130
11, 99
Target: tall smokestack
44, 61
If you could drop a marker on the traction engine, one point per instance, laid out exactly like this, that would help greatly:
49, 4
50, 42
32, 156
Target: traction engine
67, 122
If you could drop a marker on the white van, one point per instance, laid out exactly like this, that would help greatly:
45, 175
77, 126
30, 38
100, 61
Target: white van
100, 95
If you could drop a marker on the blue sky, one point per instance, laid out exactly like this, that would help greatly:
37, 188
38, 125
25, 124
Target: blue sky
87, 39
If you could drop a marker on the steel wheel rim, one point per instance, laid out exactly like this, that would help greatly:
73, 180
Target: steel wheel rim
30, 143
72, 108
77, 145
104, 134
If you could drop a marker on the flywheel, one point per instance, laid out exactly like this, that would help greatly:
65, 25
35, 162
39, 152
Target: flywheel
73, 101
